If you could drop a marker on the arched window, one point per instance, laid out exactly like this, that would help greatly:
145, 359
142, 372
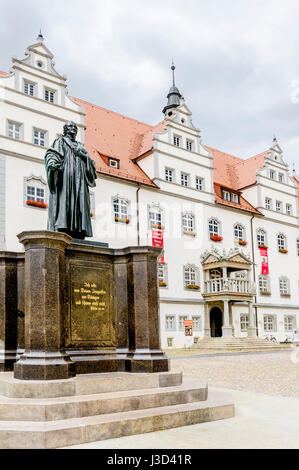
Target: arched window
120, 209
239, 232
281, 242
214, 227
162, 275
188, 222
261, 236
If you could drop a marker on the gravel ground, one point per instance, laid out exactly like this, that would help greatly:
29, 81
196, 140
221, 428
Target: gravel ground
271, 374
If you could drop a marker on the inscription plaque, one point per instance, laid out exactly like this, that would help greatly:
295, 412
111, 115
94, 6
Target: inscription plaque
90, 313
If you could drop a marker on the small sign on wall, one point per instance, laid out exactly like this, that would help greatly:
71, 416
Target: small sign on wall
189, 332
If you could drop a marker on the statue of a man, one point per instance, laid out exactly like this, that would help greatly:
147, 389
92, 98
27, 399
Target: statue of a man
70, 173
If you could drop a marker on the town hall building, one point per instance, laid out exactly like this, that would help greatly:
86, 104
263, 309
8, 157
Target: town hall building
228, 227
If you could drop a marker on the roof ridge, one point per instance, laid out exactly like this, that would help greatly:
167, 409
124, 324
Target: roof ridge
117, 114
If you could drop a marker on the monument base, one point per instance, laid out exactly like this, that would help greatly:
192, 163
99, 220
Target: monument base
34, 365
89, 408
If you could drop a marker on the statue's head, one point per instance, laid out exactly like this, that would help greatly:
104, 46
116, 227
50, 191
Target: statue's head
70, 128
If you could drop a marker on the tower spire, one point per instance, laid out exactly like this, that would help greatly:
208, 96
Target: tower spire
174, 96
40, 37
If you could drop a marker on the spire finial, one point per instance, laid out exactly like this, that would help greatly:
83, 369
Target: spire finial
40, 37
173, 76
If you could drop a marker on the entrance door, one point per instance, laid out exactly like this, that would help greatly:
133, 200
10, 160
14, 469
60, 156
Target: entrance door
216, 322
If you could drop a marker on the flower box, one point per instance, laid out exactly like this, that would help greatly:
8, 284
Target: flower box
216, 238
157, 227
265, 293
243, 243
191, 234
40, 204
192, 287
285, 295
122, 221
283, 250
162, 284
263, 246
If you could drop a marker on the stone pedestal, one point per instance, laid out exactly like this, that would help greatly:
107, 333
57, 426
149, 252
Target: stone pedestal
44, 357
137, 318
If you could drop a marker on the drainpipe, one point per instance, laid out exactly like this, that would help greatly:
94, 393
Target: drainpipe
254, 273
137, 214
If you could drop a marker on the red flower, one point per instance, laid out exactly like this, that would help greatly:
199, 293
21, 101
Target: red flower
40, 204
216, 238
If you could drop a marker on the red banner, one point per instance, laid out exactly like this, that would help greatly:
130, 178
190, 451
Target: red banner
158, 240
265, 260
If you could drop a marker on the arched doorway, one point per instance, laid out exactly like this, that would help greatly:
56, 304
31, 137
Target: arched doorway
216, 322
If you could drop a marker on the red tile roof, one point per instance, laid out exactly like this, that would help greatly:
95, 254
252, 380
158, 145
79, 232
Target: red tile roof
109, 134
2, 73
243, 204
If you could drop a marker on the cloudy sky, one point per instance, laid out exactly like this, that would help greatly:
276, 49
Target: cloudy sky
237, 61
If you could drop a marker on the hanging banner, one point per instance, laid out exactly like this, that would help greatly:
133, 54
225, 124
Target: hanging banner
158, 240
189, 340
265, 260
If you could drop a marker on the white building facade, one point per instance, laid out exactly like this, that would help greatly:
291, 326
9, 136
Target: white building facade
230, 227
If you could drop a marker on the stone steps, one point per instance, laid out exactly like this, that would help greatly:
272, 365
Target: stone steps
257, 344
45, 415
41, 410
54, 434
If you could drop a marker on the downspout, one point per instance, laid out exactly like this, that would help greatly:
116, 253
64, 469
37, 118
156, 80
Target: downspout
137, 214
254, 273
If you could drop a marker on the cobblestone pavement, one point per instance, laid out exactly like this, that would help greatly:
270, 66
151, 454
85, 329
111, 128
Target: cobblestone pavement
270, 374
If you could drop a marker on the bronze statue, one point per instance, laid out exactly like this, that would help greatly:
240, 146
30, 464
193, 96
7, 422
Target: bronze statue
70, 173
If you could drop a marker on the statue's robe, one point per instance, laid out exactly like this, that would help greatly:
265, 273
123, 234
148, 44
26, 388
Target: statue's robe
70, 173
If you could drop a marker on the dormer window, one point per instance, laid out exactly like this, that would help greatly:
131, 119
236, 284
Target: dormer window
229, 196
176, 140
49, 95
29, 88
114, 163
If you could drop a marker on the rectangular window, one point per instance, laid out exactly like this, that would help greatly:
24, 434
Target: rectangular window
49, 95
169, 175
155, 217
170, 323
188, 222
244, 323
181, 322
281, 177
289, 209
284, 286
170, 342
14, 130
268, 203
234, 198
189, 145
199, 183
29, 88
278, 206
176, 141
272, 175
162, 276
184, 179
289, 323
269, 323
39, 137
120, 207
264, 284
35, 193
226, 195
196, 323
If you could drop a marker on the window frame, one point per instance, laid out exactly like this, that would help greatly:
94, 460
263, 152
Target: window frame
11, 122
199, 183
188, 222
122, 202
190, 275
264, 284
268, 203
49, 91
167, 326
38, 183
177, 139
185, 178
168, 178
269, 320
39, 131
284, 286
244, 325
189, 143
29, 83
214, 221
237, 227
261, 233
